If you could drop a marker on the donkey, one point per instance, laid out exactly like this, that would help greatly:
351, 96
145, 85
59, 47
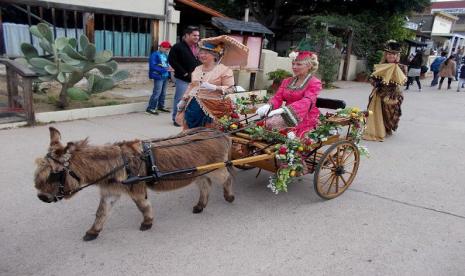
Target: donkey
66, 169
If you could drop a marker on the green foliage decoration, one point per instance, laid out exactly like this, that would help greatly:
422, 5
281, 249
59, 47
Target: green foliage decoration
63, 63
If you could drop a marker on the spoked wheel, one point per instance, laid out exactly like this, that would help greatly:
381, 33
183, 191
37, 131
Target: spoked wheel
336, 169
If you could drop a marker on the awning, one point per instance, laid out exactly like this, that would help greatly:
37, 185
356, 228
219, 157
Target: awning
415, 43
232, 25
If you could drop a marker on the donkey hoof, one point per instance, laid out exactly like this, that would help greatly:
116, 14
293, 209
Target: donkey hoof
90, 237
197, 209
144, 227
229, 198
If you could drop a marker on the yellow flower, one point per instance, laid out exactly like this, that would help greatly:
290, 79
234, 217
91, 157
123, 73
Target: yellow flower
300, 148
293, 173
233, 126
355, 110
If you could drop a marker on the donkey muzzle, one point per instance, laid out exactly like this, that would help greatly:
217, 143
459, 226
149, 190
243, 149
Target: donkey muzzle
46, 198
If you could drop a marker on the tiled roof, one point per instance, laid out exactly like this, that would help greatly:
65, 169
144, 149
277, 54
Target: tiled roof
229, 25
448, 5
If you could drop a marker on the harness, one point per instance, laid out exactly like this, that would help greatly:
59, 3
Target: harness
60, 176
153, 172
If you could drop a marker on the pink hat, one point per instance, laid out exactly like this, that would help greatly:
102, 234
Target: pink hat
165, 44
302, 55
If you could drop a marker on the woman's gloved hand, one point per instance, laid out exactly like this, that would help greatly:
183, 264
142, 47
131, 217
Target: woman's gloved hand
181, 105
208, 86
276, 112
262, 110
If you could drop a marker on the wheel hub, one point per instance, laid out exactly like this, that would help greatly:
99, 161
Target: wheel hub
339, 170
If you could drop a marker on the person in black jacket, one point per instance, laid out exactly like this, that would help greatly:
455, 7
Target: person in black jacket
414, 70
183, 59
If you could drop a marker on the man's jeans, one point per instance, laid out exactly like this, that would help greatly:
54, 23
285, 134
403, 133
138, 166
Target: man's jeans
435, 80
157, 100
181, 87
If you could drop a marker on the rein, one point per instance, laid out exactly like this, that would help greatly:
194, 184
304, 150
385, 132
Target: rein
201, 139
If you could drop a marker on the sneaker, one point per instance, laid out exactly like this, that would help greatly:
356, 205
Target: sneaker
176, 124
419, 90
151, 111
162, 109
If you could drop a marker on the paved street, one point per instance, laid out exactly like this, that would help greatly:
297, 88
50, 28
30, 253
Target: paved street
403, 215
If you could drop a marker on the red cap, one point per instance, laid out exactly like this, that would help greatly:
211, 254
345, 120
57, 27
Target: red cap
165, 44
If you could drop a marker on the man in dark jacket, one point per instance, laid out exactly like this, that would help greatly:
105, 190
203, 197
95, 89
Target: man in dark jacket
183, 59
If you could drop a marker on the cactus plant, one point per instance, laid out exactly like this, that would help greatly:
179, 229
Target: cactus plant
68, 66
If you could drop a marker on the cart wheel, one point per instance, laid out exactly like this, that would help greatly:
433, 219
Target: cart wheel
336, 169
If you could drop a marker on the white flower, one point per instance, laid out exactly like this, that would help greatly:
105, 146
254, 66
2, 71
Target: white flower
293, 55
324, 139
333, 131
291, 135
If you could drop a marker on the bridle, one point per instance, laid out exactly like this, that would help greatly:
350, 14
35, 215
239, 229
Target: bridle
60, 176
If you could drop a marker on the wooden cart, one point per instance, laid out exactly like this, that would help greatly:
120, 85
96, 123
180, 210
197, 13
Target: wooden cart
334, 162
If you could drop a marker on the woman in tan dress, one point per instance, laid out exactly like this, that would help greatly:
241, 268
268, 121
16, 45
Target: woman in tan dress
386, 98
204, 102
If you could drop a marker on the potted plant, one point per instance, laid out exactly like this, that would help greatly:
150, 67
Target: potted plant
277, 76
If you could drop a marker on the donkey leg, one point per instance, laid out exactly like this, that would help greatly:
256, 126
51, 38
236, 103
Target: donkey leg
227, 189
139, 196
204, 184
106, 202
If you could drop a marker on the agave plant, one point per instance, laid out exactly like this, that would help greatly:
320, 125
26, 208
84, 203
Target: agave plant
63, 63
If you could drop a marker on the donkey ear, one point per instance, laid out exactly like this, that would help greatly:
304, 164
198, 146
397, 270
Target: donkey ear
55, 136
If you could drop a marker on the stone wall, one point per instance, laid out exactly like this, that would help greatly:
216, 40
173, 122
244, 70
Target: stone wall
355, 66
138, 72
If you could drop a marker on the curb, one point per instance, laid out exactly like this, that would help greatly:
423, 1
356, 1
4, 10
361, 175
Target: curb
89, 112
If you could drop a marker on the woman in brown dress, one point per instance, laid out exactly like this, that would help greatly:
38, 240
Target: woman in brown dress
386, 98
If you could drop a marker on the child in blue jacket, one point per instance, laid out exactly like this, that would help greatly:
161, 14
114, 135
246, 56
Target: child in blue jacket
159, 73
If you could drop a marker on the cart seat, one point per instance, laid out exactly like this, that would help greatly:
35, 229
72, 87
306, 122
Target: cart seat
330, 103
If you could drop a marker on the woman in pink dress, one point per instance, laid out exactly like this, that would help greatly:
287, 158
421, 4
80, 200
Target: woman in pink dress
299, 94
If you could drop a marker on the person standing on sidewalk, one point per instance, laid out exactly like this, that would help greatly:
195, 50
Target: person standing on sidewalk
461, 74
435, 65
447, 70
183, 58
159, 73
414, 70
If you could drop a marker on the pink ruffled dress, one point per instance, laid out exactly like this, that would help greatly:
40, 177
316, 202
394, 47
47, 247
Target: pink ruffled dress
300, 110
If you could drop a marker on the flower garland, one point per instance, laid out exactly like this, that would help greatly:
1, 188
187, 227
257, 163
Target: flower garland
358, 126
289, 156
247, 105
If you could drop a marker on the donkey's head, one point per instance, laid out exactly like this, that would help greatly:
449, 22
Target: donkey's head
53, 177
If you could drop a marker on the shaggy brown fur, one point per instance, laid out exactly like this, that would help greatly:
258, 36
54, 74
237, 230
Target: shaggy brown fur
189, 149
